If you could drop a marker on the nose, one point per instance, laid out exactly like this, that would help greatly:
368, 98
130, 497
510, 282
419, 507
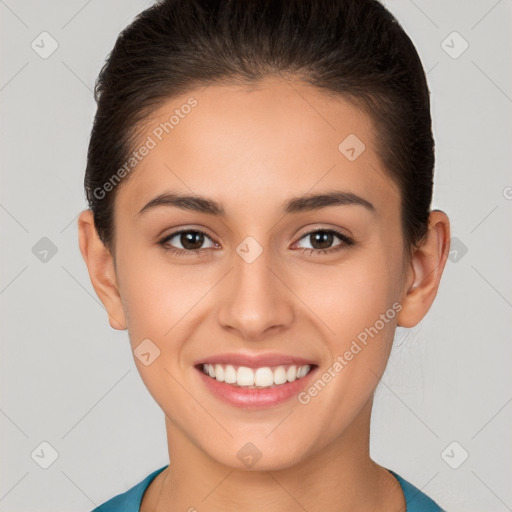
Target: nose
255, 300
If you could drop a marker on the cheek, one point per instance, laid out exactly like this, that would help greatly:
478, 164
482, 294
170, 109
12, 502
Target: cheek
347, 296
159, 299
351, 295
356, 310
356, 305
158, 295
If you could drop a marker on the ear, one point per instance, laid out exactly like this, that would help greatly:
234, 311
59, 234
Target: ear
427, 265
100, 264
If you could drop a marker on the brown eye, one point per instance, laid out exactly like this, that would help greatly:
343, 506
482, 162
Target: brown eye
191, 240
186, 241
322, 240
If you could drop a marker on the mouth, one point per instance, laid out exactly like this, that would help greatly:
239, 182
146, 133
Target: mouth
263, 377
251, 380
259, 387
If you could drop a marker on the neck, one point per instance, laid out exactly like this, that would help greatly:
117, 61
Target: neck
340, 477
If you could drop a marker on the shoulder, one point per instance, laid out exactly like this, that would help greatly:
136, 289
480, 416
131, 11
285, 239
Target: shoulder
130, 500
416, 500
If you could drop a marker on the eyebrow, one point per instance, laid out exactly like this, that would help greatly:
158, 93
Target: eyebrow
295, 205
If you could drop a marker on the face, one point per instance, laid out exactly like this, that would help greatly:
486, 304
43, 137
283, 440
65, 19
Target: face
257, 277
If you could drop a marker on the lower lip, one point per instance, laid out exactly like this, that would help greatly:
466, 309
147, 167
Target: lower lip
255, 398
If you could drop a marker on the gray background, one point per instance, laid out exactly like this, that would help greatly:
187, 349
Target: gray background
69, 380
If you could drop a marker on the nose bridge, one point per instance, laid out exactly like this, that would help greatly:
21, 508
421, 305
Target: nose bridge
255, 299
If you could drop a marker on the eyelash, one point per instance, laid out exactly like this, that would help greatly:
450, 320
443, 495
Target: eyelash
346, 242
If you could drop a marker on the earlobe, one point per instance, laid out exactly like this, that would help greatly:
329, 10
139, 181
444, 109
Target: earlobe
102, 273
426, 268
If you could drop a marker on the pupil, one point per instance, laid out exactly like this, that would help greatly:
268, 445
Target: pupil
194, 240
187, 240
323, 237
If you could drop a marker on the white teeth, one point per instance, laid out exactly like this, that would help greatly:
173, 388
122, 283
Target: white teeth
263, 377
244, 376
291, 373
229, 374
280, 375
219, 373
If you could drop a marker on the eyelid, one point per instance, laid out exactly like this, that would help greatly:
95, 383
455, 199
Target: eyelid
342, 232
165, 238
171, 232
346, 240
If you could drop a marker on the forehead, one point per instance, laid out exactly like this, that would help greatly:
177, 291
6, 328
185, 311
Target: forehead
278, 138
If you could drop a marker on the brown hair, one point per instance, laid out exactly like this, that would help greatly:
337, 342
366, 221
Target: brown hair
354, 48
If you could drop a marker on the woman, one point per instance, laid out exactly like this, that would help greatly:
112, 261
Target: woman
259, 179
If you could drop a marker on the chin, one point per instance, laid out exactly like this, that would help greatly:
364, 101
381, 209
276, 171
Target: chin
258, 456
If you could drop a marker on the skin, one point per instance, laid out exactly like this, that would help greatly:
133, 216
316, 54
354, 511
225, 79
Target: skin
251, 149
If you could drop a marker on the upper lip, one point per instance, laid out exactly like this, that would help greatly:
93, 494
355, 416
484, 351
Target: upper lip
254, 360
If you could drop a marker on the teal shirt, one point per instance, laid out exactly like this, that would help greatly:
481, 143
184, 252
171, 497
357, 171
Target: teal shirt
130, 500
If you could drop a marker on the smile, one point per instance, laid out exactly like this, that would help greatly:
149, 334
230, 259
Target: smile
256, 378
